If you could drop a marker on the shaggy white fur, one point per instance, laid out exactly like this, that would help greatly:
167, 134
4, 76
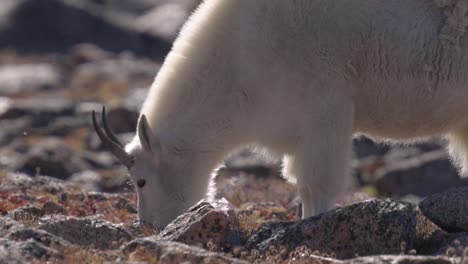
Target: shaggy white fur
300, 77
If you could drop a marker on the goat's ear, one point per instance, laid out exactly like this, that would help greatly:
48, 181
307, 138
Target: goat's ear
148, 141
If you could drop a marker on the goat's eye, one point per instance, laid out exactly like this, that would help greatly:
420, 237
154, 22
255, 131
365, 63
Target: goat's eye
141, 183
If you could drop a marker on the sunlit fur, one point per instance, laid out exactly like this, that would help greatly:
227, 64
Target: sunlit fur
300, 77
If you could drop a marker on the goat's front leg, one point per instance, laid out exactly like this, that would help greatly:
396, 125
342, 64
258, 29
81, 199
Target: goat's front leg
321, 161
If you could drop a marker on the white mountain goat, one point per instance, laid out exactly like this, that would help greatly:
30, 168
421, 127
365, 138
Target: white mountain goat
300, 77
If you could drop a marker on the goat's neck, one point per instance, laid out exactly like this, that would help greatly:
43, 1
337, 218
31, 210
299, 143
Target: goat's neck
196, 93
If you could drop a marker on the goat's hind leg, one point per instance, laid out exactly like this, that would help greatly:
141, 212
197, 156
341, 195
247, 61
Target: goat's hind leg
458, 149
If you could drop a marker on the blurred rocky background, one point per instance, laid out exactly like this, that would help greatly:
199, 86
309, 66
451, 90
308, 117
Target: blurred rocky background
64, 198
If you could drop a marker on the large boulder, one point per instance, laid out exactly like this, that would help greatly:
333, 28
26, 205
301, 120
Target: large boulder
367, 228
449, 209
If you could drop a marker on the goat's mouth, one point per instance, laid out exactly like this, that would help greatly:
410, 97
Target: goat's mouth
111, 142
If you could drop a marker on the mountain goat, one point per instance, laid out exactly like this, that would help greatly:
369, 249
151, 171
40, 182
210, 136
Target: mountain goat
300, 77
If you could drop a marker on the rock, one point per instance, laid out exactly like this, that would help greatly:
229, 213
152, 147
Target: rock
5, 104
14, 128
365, 147
240, 188
53, 208
173, 252
116, 181
254, 160
403, 260
135, 99
99, 160
25, 251
27, 213
122, 120
92, 233
214, 226
39, 236
58, 25
429, 237
169, 18
51, 157
143, 229
455, 247
367, 228
28, 78
8, 225
112, 78
42, 110
139, 7
18, 181
88, 180
87, 52
251, 215
449, 209
420, 174
126, 205
62, 126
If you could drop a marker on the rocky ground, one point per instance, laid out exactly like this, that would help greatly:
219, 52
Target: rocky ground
64, 199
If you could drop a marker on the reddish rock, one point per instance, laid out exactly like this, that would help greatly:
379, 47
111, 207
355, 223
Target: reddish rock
211, 225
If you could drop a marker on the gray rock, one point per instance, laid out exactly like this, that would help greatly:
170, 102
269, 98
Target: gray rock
420, 174
58, 25
51, 157
169, 18
38, 235
14, 128
91, 233
455, 247
53, 208
88, 180
254, 160
62, 126
203, 223
22, 182
42, 109
175, 252
124, 70
122, 119
135, 99
87, 52
126, 205
8, 225
139, 7
27, 213
27, 78
403, 260
25, 251
449, 209
99, 160
367, 228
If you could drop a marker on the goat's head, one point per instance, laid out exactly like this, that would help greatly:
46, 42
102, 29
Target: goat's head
157, 203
